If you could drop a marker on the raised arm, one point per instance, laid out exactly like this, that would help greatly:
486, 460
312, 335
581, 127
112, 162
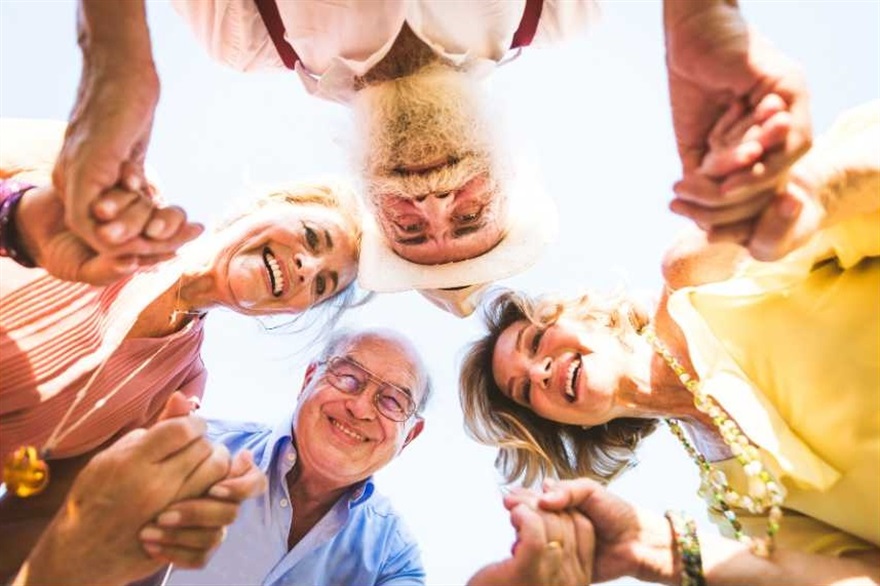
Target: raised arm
716, 62
109, 132
632, 542
33, 226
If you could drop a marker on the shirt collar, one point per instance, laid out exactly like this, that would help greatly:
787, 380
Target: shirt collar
281, 444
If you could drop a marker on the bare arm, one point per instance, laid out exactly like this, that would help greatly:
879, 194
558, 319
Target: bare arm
637, 543
692, 260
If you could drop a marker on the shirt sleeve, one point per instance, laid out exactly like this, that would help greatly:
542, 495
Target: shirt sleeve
564, 19
231, 31
404, 567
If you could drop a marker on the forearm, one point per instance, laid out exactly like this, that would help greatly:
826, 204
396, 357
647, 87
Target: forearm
115, 42
727, 562
677, 11
109, 29
730, 563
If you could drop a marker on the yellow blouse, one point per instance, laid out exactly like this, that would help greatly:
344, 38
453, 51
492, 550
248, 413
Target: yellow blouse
791, 350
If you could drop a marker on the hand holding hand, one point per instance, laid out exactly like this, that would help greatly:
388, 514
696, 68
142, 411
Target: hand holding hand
94, 537
99, 173
770, 224
552, 548
723, 74
628, 542
188, 531
55, 248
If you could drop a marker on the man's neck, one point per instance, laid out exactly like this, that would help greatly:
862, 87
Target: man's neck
310, 500
407, 55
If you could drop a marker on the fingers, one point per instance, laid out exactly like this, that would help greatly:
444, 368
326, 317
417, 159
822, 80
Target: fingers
707, 218
177, 405
130, 219
200, 538
531, 537
585, 542
104, 269
206, 473
520, 496
169, 438
244, 480
738, 144
181, 557
788, 222
165, 222
197, 513
147, 249
576, 493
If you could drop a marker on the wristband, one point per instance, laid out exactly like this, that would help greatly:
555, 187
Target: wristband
11, 192
685, 532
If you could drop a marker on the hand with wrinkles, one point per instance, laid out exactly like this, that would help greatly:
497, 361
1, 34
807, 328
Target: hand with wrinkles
94, 537
725, 78
551, 549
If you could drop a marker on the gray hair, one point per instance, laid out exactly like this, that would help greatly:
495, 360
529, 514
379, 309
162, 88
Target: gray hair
344, 339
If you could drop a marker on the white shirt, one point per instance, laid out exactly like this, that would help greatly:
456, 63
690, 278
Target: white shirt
338, 40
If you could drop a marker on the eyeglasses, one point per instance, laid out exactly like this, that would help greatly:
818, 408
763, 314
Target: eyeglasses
351, 378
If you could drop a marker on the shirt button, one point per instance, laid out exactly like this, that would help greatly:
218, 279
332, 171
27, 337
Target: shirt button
283, 502
291, 457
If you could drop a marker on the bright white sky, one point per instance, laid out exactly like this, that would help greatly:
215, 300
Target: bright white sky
595, 111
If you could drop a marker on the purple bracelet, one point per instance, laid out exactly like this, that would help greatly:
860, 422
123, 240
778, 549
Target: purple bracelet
11, 192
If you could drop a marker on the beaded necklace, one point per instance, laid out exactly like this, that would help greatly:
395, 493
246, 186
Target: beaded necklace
764, 493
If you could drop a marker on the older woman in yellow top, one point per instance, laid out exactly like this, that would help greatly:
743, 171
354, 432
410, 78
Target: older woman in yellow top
768, 373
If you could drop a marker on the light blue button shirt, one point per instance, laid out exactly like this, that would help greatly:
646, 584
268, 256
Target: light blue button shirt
360, 541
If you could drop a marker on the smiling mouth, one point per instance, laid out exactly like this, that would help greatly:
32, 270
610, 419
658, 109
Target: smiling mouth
347, 430
276, 277
574, 370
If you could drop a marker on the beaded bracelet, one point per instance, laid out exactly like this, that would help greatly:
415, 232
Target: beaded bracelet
11, 193
685, 532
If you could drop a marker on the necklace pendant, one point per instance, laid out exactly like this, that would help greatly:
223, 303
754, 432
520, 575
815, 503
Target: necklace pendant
25, 473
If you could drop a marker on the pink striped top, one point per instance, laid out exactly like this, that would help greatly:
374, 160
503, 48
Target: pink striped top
54, 334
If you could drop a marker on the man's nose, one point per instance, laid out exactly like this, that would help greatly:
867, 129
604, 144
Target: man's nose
361, 406
539, 371
436, 204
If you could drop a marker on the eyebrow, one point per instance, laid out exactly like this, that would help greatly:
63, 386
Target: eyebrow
412, 240
328, 239
466, 230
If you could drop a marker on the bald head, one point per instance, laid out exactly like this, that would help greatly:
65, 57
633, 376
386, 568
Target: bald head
385, 342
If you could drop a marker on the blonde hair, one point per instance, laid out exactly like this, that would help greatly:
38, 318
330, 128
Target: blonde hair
530, 447
332, 194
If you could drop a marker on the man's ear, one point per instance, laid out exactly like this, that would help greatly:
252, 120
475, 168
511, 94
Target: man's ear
414, 432
310, 373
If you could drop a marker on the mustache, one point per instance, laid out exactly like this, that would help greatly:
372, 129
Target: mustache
443, 179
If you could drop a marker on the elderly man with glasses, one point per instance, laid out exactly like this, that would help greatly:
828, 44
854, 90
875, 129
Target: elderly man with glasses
320, 522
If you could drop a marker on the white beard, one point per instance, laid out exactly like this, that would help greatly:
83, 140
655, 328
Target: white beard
433, 116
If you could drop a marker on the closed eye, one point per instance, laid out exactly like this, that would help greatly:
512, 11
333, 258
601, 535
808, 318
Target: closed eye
536, 342
526, 394
312, 239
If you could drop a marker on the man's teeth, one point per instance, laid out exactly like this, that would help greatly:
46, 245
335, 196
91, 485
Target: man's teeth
275, 272
569, 380
350, 433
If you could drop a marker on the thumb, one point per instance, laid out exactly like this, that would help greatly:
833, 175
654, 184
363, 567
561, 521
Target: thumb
177, 405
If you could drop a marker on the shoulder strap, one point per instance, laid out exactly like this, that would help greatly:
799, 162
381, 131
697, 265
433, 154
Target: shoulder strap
268, 9
272, 19
528, 26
